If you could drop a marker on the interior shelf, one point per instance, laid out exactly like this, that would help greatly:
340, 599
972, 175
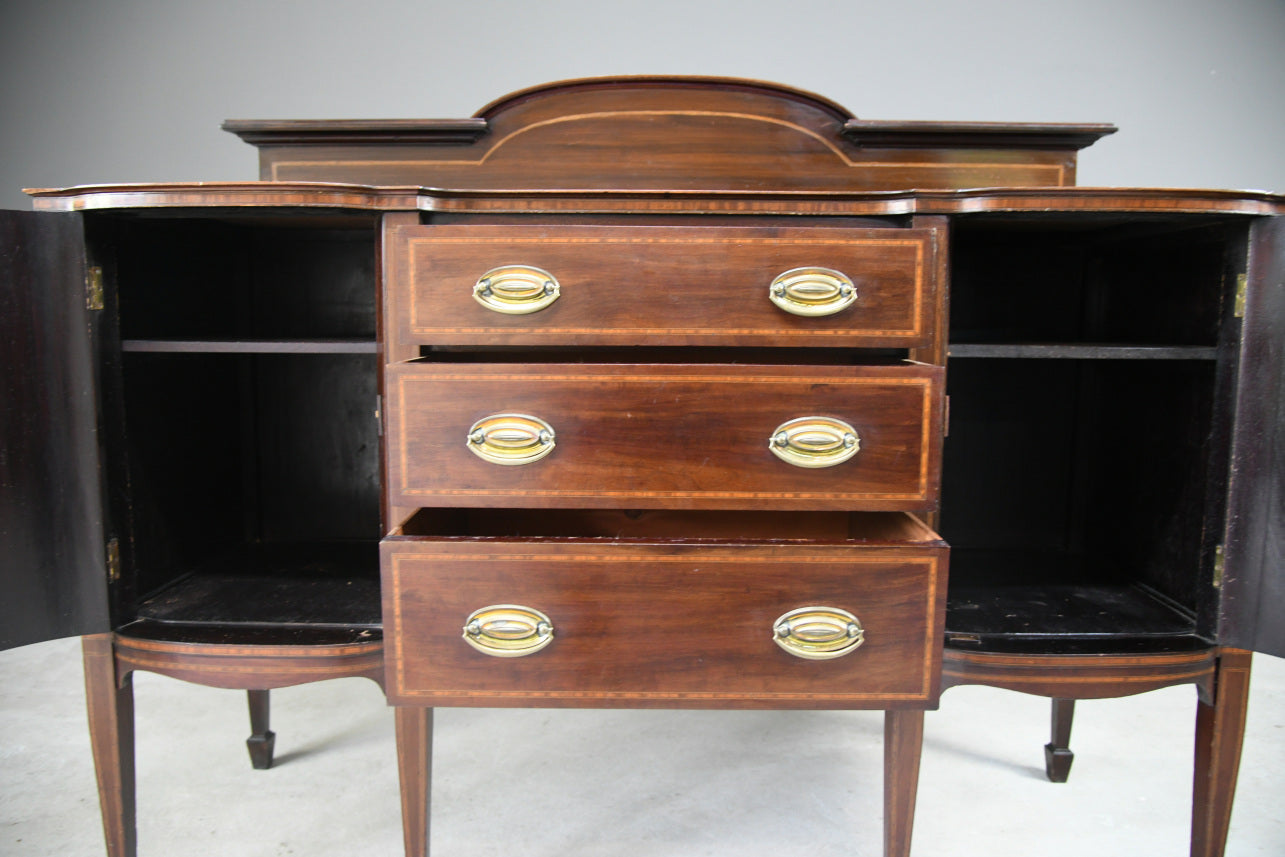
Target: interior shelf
1075, 351
1067, 618
315, 585
250, 346
254, 281
250, 635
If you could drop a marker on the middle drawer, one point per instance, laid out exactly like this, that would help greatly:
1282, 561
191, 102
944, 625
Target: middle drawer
664, 436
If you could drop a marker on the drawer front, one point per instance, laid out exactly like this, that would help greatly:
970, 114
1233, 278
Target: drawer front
670, 436
638, 625
621, 285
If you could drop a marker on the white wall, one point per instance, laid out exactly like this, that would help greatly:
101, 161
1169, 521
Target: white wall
135, 90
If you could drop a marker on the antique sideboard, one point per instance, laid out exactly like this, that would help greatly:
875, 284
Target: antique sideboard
650, 392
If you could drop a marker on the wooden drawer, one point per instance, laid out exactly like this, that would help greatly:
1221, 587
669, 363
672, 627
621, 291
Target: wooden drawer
644, 622
663, 436
631, 285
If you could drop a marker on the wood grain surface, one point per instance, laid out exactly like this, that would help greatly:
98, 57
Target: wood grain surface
699, 285
669, 625
664, 436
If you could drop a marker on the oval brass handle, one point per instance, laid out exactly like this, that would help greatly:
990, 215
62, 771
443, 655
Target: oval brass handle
511, 439
818, 633
815, 442
508, 630
516, 289
812, 291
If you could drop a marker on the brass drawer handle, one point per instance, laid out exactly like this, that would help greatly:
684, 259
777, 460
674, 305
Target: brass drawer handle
508, 630
812, 291
516, 289
818, 633
815, 442
511, 439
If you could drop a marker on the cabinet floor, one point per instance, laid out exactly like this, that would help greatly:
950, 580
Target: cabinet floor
607, 783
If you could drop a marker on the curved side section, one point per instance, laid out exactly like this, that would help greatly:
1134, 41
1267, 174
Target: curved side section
226, 195
249, 667
1081, 676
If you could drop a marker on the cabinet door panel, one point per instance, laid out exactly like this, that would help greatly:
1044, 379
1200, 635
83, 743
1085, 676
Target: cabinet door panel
52, 562
1253, 593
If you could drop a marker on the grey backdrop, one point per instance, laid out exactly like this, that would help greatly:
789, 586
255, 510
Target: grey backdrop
134, 90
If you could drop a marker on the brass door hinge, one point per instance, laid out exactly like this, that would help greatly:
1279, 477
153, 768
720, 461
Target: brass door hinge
1242, 284
1220, 566
113, 561
94, 288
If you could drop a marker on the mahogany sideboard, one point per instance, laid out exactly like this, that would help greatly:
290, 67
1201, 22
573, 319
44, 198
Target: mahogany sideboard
650, 392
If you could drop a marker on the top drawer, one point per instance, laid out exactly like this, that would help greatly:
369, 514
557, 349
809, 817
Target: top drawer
661, 285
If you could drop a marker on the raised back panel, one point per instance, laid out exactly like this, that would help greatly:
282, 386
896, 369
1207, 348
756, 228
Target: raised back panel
685, 134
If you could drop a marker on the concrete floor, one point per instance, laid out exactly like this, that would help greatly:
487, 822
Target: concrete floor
607, 783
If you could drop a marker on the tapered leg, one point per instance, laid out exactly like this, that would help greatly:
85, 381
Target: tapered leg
1220, 727
1057, 753
903, 740
262, 739
415, 765
111, 734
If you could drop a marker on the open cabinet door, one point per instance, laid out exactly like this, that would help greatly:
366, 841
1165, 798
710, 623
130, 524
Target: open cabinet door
1253, 585
52, 554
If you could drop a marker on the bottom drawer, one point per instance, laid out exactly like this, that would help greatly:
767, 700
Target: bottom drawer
850, 617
